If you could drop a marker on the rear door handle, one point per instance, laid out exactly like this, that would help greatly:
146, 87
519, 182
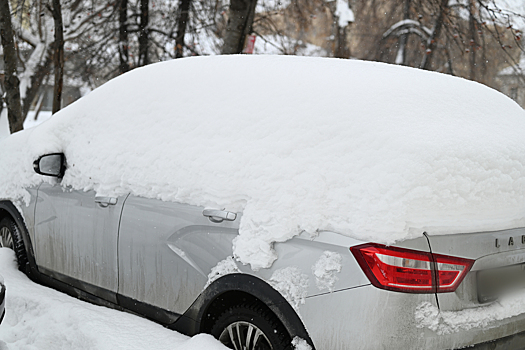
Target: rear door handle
105, 201
217, 216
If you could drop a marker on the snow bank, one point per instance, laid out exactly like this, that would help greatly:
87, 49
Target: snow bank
39, 318
370, 150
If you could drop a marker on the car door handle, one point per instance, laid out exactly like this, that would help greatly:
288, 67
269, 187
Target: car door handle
105, 201
217, 216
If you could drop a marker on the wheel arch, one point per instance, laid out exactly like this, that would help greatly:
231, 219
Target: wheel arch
9, 210
233, 289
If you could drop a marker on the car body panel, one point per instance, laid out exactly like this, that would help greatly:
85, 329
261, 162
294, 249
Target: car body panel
482, 248
76, 237
367, 318
166, 251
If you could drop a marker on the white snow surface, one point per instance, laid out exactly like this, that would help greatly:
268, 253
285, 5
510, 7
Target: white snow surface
344, 14
4, 124
325, 270
223, 268
373, 151
39, 318
292, 284
447, 322
300, 344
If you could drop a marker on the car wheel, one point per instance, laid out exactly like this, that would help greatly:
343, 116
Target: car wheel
10, 237
251, 327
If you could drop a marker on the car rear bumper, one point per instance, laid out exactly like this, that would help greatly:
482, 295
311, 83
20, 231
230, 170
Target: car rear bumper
370, 318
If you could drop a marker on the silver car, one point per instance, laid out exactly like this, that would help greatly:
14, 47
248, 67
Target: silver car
173, 263
154, 257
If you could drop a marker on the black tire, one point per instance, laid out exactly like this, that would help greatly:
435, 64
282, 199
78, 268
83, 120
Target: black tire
11, 237
246, 320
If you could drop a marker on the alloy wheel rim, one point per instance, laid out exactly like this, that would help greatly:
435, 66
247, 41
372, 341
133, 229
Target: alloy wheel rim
6, 239
244, 336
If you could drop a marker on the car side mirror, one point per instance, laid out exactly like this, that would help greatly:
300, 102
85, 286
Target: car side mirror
51, 165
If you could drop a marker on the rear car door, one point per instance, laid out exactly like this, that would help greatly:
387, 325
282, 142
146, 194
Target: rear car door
166, 251
76, 238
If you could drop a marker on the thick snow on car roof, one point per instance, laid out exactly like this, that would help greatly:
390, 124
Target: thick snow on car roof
370, 150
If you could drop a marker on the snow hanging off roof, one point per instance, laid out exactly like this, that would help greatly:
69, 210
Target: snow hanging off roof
373, 151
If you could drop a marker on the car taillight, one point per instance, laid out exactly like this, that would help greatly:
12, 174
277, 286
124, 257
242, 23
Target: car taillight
410, 271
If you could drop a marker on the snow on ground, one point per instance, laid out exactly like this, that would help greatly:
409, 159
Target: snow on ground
28, 123
4, 124
39, 318
31, 122
373, 151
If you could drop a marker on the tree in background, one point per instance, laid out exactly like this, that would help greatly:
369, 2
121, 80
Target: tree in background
58, 56
240, 24
12, 83
104, 38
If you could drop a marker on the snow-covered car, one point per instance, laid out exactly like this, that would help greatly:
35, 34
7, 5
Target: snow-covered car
282, 202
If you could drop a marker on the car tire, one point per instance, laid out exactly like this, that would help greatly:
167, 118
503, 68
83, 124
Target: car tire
11, 237
251, 327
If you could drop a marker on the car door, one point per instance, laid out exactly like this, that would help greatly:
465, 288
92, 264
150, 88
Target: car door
166, 251
76, 238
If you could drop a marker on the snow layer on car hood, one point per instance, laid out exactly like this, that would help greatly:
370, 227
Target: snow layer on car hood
370, 150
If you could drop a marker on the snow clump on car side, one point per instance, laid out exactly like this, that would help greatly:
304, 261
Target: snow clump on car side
223, 268
300, 344
325, 270
292, 284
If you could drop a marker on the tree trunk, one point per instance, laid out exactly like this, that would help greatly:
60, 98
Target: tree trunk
432, 41
143, 33
182, 22
12, 83
473, 42
340, 48
403, 39
240, 22
58, 57
123, 36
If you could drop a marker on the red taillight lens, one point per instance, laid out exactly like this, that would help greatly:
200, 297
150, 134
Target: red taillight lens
410, 271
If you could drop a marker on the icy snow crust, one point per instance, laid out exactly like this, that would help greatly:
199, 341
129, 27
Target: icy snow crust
370, 150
